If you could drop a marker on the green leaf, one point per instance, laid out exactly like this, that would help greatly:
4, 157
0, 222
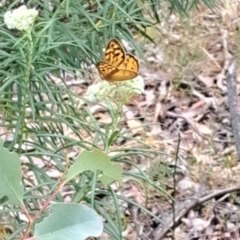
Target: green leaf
69, 221
10, 176
93, 161
113, 136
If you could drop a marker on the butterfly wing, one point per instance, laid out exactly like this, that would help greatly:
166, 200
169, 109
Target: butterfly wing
114, 53
121, 75
126, 71
130, 63
117, 65
105, 70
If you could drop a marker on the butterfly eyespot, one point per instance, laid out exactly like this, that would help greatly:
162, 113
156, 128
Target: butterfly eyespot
117, 65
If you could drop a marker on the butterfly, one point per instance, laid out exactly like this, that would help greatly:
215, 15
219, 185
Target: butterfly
117, 65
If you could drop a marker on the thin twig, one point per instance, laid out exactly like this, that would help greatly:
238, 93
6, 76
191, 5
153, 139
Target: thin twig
233, 104
234, 107
175, 182
46, 204
193, 204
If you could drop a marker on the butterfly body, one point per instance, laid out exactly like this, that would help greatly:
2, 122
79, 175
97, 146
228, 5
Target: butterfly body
117, 65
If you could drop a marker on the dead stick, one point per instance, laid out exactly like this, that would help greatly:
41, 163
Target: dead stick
160, 234
234, 106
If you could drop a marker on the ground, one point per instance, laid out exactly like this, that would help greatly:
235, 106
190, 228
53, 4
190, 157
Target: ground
183, 115
185, 103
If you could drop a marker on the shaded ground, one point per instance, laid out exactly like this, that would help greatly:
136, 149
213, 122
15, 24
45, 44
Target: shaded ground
186, 96
185, 100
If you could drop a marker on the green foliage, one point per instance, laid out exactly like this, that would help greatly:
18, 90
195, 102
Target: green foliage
38, 110
10, 177
94, 161
66, 221
183, 6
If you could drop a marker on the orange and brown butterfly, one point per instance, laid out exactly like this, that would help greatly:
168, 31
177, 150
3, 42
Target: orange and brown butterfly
117, 65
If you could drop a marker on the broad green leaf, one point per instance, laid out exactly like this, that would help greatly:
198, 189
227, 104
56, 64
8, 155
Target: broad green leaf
69, 221
10, 176
96, 160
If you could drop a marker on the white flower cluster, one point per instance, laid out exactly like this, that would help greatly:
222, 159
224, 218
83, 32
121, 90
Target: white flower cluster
20, 18
137, 85
105, 89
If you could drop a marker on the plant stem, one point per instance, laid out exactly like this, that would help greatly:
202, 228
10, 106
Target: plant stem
27, 76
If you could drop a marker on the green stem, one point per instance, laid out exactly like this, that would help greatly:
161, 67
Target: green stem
116, 109
27, 77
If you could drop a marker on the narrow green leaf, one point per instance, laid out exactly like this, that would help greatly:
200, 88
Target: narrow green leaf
113, 137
